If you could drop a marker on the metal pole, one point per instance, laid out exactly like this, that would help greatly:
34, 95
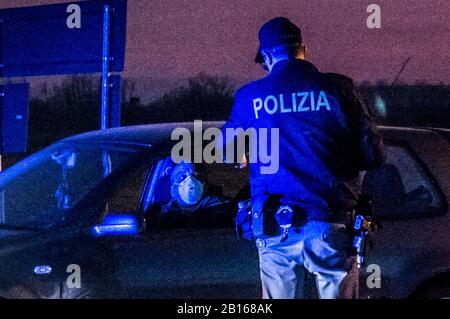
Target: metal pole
105, 68
2, 103
2, 192
2, 94
2, 199
106, 85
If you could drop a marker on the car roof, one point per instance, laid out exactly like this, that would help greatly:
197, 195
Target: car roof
145, 135
153, 134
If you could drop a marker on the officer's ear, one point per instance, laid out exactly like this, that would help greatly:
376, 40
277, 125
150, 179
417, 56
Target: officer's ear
267, 57
264, 66
302, 52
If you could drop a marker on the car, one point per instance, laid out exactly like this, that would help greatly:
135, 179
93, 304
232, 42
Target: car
76, 221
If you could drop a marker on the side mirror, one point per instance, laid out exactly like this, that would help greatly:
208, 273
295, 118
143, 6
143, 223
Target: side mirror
117, 225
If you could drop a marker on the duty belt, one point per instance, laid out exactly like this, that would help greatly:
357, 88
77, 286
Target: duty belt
277, 226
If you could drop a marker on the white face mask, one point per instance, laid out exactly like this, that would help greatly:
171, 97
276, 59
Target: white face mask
190, 190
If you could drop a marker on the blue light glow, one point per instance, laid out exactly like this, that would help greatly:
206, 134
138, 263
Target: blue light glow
42, 270
115, 224
380, 105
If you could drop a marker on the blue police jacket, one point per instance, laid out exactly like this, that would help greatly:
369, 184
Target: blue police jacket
325, 138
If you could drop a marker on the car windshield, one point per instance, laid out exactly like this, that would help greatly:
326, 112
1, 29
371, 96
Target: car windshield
42, 189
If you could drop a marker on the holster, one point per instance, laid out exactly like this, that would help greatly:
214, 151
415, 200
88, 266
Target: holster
264, 220
244, 221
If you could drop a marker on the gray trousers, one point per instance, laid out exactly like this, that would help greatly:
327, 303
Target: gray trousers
320, 248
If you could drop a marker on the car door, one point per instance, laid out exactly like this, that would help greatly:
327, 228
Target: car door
34, 256
50, 202
40, 264
186, 262
27, 269
411, 206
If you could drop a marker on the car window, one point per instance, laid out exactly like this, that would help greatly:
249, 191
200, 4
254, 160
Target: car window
126, 197
234, 182
43, 189
403, 188
214, 208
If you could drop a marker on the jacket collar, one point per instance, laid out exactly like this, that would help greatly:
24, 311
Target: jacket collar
302, 66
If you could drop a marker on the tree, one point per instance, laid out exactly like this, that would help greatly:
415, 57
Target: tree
205, 98
70, 107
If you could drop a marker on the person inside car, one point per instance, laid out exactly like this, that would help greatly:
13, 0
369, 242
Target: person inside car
194, 202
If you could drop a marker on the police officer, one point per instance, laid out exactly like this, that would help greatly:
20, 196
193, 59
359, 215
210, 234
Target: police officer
326, 137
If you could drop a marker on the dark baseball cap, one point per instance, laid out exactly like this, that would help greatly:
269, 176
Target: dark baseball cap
277, 32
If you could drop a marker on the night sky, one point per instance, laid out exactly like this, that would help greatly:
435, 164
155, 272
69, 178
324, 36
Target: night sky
169, 41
